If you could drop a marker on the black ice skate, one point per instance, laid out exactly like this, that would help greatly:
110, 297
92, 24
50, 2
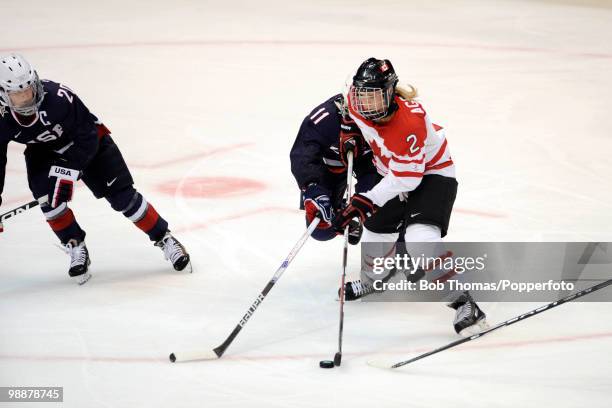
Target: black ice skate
79, 261
469, 319
355, 231
175, 252
355, 290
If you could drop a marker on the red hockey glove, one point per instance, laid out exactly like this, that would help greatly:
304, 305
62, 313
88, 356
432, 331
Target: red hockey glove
316, 201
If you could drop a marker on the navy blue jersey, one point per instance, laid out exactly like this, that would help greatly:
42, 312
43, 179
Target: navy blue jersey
62, 125
315, 157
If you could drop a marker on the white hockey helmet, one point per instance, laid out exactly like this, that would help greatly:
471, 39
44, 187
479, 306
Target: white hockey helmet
16, 74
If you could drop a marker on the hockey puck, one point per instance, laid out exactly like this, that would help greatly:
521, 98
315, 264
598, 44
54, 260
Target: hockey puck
326, 364
172, 358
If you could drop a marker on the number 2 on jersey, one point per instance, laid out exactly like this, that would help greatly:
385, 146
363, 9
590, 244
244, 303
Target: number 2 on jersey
412, 140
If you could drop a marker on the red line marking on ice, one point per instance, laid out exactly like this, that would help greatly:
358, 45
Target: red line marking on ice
292, 43
189, 157
144, 359
219, 220
211, 187
232, 217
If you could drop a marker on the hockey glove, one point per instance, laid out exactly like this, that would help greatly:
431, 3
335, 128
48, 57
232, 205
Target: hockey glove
351, 139
317, 202
360, 207
61, 185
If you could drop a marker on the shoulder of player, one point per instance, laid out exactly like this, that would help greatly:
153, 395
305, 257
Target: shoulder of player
325, 115
58, 98
50, 86
415, 114
411, 109
413, 117
57, 91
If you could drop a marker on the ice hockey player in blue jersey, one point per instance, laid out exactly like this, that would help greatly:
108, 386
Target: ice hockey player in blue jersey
319, 171
65, 142
319, 166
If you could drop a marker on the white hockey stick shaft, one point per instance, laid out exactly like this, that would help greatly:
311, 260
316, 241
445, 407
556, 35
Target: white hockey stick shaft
217, 352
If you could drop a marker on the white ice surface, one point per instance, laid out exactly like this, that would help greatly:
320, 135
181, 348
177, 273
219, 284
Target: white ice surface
208, 89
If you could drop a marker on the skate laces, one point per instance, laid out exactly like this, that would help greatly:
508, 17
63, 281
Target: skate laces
360, 288
464, 311
172, 249
78, 253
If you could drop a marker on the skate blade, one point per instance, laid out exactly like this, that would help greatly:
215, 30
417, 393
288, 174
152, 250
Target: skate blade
82, 279
188, 268
476, 328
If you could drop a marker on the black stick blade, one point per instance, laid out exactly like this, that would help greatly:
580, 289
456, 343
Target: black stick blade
338, 359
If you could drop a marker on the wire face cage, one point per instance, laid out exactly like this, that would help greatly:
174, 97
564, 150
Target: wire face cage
371, 103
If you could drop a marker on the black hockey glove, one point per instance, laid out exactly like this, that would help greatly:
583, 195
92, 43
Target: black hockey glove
360, 207
351, 139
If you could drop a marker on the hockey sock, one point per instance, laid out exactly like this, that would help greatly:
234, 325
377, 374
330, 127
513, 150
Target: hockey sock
62, 222
135, 208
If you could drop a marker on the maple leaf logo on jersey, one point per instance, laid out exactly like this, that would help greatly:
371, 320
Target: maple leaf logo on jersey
2, 110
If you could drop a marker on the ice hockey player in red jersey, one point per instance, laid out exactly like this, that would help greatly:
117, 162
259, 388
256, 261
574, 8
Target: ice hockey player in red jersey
411, 153
66, 143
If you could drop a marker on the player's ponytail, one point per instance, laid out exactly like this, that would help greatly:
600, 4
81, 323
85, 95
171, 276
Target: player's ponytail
407, 92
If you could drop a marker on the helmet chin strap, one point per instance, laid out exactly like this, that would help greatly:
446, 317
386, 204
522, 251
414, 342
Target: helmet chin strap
25, 121
392, 107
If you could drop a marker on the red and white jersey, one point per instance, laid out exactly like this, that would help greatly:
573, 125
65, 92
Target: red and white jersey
405, 149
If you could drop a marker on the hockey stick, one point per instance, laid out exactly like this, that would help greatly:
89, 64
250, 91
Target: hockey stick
349, 187
18, 210
509, 322
218, 351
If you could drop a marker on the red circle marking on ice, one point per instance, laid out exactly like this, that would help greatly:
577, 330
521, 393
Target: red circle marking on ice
211, 187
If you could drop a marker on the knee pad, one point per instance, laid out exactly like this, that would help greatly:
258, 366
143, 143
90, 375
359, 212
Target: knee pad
422, 233
426, 241
123, 199
370, 236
